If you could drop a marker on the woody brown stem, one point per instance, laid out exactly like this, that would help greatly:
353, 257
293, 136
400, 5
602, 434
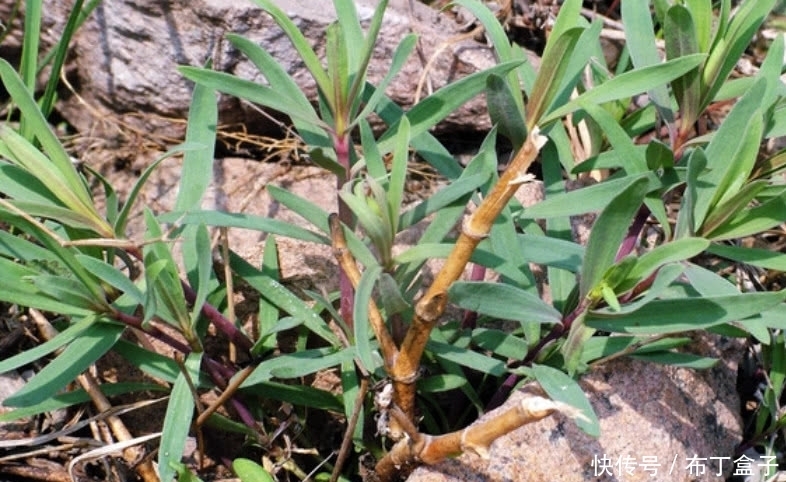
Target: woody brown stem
432, 305
476, 438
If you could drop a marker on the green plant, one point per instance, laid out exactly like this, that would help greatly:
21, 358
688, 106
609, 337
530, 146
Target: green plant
611, 297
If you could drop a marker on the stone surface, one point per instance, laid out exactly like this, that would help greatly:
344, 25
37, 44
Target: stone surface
124, 58
646, 410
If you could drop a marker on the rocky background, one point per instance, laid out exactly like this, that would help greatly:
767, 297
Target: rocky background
123, 100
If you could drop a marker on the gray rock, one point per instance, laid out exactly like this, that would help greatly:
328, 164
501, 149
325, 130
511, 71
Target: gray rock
124, 59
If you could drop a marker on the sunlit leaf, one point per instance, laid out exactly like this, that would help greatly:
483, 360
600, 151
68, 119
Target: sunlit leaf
629, 84
502, 301
563, 388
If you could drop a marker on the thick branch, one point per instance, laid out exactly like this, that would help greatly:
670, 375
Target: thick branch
476, 438
431, 306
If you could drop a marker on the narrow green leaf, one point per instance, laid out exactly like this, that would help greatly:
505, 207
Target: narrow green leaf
302, 206
550, 75
204, 269
299, 364
249, 471
763, 258
675, 251
31, 39
562, 388
426, 113
640, 40
68, 290
17, 247
502, 301
686, 217
754, 220
502, 46
37, 124
251, 91
277, 294
607, 234
708, 283
398, 174
122, 217
375, 165
82, 352
152, 364
63, 338
588, 199
300, 43
441, 383
629, 84
358, 47
297, 395
76, 397
771, 70
569, 16
268, 312
701, 11
338, 73
694, 313
730, 44
282, 82
553, 252
466, 358
246, 221
682, 40
22, 185
504, 112
732, 153
732, 206
360, 312
72, 196
500, 343
61, 215
18, 289
400, 55
197, 171
60, 52
424, 143
177, 420
452, 194
631, 159
685, 360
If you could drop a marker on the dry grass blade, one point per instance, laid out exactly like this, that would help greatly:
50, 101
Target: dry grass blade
42, 439
119, 447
